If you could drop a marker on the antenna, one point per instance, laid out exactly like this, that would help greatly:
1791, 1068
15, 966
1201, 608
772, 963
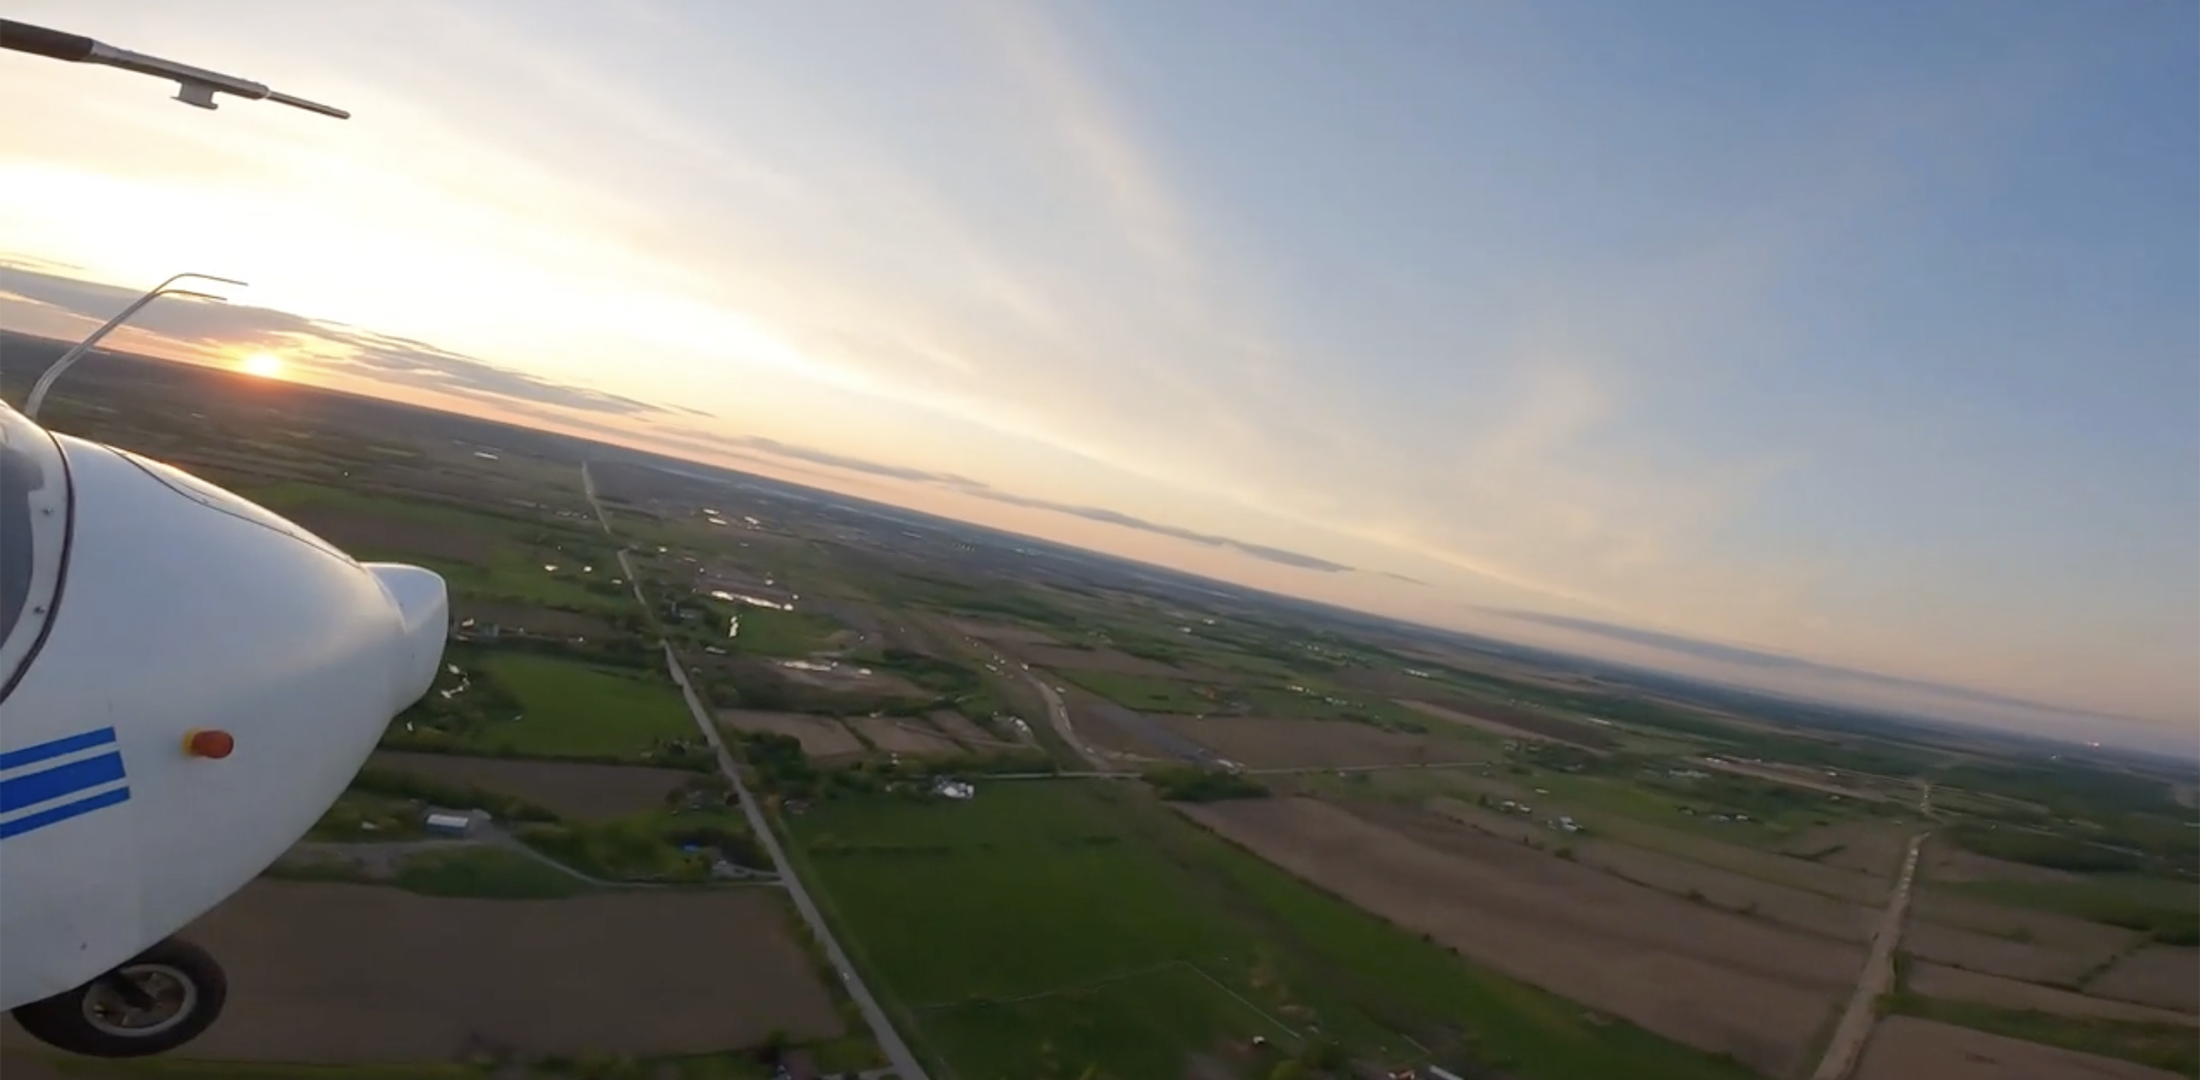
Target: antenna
194, 86
166, 288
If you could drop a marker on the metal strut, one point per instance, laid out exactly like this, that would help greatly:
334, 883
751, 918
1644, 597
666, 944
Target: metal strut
194, 85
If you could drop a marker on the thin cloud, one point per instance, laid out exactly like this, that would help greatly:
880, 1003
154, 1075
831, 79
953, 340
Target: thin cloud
776, 448
333, 348
808, 459
1104, 144
209, 329
1263, 552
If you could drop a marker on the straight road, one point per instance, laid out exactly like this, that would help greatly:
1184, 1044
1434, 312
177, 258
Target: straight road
1877, 978
904, 1063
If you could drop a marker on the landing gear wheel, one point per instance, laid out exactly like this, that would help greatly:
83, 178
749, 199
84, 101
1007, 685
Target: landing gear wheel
161, 999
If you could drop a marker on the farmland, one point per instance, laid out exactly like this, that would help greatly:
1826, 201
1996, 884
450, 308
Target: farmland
333, 973
1286, 743
1393, 846
568, 789
516, 704
1907, 1047
1956, 984
2156, 975
1707, 978
1119, 936
821, 736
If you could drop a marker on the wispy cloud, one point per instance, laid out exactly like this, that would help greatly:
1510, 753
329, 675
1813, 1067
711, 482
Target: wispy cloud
1099, 137
41, 300
1264, 552
212, 330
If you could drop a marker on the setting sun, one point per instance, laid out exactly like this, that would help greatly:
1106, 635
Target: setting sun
264, 365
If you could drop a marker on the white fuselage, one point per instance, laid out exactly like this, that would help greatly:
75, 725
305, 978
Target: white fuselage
155, 604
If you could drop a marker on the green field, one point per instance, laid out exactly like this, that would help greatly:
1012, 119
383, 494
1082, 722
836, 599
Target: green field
1776, 813
521, 575
768, 632
519, 546
998, 924
571, 709
2168, 910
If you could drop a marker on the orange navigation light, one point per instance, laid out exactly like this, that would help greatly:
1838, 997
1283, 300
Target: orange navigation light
209, 743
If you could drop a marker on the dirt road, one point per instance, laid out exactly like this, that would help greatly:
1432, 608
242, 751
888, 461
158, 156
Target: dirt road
1057, 712
1877, 978
1058, 716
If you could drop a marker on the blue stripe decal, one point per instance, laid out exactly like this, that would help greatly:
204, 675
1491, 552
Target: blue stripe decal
21, 791
43, 818
31, 755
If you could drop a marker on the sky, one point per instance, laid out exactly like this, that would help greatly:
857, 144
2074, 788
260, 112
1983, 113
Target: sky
1862, 340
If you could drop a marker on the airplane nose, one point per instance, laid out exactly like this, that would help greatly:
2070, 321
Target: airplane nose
423, 606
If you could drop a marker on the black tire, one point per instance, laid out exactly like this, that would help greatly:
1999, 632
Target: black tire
190, 986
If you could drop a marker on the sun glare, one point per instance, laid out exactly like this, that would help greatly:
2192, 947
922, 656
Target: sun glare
264, 365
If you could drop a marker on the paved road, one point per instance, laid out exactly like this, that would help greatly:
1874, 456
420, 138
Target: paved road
904, 1063
1877, 978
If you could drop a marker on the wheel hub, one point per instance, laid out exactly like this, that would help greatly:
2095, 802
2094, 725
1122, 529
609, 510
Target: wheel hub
140, 1000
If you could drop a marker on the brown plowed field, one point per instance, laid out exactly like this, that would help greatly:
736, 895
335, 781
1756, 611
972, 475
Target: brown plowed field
1512, 723
1714, 980
569, 789
822, 736
1277, 742
966, 731
1946, 862
2090, 943
1103, 724
1956, 984
2164, 975
1909, 1048
1799, 909
353, 973
1975, 951
1868, 889
1867, 847
903, 737
373, 534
